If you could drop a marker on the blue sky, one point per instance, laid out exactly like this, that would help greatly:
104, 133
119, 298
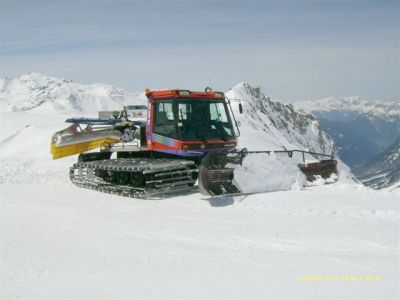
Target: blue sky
303, 49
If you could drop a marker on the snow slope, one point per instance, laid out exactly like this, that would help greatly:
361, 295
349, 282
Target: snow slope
25, 149
65, 242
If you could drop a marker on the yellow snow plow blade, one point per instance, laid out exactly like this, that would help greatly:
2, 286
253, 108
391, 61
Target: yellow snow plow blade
68, 150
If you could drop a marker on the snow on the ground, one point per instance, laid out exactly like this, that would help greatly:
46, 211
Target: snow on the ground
66, 242
25, 149
393, 189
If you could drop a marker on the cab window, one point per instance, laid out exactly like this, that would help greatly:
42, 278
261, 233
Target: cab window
164, 122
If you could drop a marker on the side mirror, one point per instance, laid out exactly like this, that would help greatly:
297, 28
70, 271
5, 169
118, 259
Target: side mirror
240, 108
238, 124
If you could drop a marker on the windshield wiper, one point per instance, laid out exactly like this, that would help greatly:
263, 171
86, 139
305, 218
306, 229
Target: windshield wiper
222, 133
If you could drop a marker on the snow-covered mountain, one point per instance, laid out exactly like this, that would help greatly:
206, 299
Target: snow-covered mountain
383, 170
387, 109
40, 93
269, 124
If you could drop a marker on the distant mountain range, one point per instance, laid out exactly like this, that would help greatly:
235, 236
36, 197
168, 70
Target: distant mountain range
383, 170
41, 93
365, 133
347, 107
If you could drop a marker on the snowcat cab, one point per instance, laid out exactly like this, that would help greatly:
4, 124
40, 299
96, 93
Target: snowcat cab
189, 124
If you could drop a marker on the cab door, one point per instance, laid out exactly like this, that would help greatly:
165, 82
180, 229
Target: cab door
165, 132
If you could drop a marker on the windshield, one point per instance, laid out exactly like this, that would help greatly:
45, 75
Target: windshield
199, 120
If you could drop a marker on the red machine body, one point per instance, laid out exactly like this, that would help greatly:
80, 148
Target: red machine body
198, 110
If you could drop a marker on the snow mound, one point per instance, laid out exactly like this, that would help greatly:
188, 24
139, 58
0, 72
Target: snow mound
268, 173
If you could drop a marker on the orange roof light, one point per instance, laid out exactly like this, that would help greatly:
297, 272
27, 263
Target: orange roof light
163, 94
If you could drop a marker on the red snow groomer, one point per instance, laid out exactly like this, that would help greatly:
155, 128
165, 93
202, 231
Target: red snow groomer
165, 146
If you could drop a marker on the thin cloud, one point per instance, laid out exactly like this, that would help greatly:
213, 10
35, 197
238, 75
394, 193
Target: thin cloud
294, 49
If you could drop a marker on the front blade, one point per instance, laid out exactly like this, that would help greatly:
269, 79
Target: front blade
72, 149
70, 141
